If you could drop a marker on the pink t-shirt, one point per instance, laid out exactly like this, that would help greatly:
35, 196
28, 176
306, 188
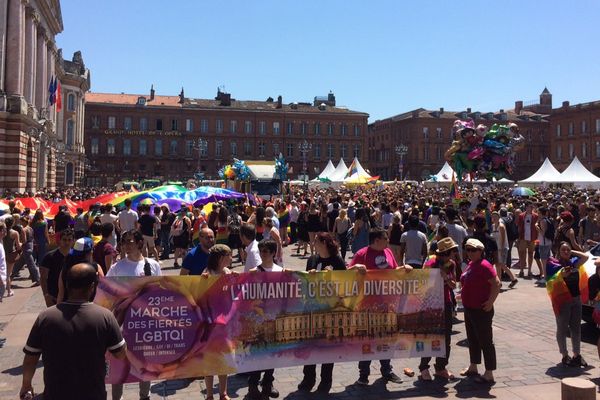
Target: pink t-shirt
375, 259
475, 283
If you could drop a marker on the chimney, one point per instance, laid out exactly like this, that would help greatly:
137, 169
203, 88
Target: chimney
441, 110
501, 110
518, 107
331, 99
225, 99
279, 101
152, 92
566, 104
468, 110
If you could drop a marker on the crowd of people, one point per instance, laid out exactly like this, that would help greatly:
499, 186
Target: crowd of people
468, 237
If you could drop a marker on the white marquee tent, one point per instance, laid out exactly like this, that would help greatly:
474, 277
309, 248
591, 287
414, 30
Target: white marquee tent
328, 170
578, 175
547, 173
357, 173
340, 172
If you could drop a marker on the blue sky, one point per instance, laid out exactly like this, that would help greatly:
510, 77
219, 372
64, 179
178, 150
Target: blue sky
381, 57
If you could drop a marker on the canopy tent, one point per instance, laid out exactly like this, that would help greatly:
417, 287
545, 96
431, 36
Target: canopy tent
579, 175
444, 175
547, 173
340, 172
357, 174
328, 170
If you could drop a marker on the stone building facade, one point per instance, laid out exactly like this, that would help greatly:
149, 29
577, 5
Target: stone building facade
32, 145
130, 136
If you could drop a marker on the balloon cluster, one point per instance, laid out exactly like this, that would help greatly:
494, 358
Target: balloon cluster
484, 153
281, 168
237, 170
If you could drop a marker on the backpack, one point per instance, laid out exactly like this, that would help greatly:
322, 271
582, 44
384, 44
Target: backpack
234, 224
177, 228
550, 229
512, 230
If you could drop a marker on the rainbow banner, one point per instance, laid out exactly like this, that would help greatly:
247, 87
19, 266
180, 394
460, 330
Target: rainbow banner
183, 326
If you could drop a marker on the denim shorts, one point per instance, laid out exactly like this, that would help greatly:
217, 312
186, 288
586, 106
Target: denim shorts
545, 252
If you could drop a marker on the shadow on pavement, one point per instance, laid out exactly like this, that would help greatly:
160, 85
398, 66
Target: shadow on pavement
560, 371
18, 371
468, 388
169, 388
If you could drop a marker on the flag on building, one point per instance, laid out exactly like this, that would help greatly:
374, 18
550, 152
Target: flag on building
52, 91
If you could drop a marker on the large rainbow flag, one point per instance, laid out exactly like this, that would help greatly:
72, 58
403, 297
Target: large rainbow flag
557, 287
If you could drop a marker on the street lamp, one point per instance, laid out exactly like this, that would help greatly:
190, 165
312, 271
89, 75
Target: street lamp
401, 151
201, 145
304, 148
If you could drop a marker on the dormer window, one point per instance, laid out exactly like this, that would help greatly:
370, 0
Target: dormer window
141, 101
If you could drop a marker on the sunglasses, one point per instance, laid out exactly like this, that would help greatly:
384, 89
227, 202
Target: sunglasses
471, 250
445, 253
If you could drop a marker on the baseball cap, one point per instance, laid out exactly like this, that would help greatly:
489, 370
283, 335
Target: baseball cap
82, 246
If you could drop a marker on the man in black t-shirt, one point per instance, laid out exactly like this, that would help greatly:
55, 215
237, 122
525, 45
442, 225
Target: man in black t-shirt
62, 220
52, 264
166, 220
73, 338
491, 247
147, 226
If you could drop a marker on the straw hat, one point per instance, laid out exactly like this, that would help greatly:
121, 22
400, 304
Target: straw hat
445, 244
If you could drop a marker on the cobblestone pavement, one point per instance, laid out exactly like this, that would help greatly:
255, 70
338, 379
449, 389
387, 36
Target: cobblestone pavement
524, 333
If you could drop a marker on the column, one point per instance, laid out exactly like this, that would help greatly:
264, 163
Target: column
30, 54
15, 48
41, 77
3, 33
31, 165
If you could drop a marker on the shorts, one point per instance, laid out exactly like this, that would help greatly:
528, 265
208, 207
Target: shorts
149, 241
502, 255
545, 252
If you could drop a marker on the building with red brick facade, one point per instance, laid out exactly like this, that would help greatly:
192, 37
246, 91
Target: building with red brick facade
427, 134
131, 136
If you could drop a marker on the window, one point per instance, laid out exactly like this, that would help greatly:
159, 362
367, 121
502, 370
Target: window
189, 125
425, 132
127, 123
330, 150
95, 122
174, 125
112, 122
583, 127
143, 149
438, 132
344, 130
598, 125
558, 130
330, 129
204, 149
233, 148
357, 150
317, 128
204, 125
189, 148
438, 153
584, 150
261, 149
290, 128
558, 152
126, 147
219, 149
69, 175
317, 148
70, 139
303, 128
173, 147
247, 148
426, 153
143, 124
110, 147
233, 126
71, 102
248, 126
276, 149
95, 144
290, 150
276, 128
597, 149
159, 126
571, 129
571, 150
219, 126
343, 150
356, 130
158, 147
262, 127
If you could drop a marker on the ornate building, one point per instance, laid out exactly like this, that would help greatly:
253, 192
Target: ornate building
30, 129
129, 136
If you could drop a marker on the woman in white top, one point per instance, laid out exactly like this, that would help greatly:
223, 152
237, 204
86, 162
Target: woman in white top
341, 226
499, 235
272, 233
3, 281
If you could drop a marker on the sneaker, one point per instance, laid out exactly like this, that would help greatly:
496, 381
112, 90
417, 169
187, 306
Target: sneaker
425, 375
362, 381
306, 385
521, 274
513, 283
392, 377
578, 361
566, 361
269, 391
324, 388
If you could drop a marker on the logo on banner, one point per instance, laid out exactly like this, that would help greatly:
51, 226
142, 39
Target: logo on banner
366, 349
436, 345
420, 346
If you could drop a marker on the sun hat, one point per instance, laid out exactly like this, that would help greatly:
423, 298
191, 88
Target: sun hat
475, 244
445, 244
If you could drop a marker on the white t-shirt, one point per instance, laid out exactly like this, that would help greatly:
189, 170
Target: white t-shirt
253, 259
294, 213
274, 268
127, 267
110, 219
528, 218
127, 220
3, 267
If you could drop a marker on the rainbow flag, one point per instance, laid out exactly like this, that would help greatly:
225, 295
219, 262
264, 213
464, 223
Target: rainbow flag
557, 288
353, 169
454, 192
284, 217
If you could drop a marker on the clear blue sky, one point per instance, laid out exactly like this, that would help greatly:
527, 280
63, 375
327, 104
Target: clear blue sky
381, 57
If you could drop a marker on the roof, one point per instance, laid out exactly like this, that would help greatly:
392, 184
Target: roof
237, 105
546, 173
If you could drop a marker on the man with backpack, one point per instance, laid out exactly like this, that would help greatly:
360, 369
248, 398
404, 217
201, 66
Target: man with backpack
546, 234
512, 232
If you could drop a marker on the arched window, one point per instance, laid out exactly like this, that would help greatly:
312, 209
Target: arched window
71, 102
70, 139
69, 174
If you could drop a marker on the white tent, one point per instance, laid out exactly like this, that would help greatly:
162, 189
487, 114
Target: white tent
329, 168
546, 173
357, 173
340, 172
444, 175
579, 175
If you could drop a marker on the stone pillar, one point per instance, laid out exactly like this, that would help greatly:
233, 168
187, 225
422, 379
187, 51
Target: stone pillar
42, 164
32, 19
51, 170
3, 33
41, 78
31, 165
15, 46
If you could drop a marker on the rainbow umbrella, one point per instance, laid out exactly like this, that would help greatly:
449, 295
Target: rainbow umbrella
522, 191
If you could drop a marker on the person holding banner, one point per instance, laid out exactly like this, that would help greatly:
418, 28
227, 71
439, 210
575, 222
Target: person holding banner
377, 255
327, 258
267, 249
442, 260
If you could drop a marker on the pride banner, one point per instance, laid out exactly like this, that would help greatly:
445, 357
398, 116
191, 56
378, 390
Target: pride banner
183, 326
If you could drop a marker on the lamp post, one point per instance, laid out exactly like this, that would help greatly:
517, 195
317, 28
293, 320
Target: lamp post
304, 148
201, 145
401, 151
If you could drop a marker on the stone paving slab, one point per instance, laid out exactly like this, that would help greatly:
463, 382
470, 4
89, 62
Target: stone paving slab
524, 331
